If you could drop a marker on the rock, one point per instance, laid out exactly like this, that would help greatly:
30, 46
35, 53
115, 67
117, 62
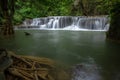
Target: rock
26, 33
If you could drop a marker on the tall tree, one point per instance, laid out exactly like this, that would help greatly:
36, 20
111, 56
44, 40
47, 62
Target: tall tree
7, 12
90, 7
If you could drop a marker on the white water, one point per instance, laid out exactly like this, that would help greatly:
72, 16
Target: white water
67, 23
86, 71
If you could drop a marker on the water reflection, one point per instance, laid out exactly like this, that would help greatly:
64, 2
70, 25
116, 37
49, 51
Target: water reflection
70, 48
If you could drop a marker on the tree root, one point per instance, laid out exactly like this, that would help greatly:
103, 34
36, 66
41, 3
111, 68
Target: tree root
33, 68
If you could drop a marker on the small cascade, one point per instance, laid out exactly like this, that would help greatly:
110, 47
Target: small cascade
67, 23
55, 23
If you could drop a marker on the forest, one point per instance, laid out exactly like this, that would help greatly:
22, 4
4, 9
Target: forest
14, 12
59, 39
24, 9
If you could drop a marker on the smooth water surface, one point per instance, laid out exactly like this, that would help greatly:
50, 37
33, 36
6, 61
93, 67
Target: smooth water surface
69, 48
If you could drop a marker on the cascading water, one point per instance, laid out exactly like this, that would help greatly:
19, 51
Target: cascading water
67, 23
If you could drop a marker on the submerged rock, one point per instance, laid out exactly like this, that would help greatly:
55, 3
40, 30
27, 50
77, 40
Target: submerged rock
26, 33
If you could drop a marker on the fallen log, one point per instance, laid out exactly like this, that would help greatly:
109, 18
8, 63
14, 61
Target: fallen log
31, 68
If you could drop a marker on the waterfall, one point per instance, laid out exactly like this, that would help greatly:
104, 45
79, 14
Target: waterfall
67, 23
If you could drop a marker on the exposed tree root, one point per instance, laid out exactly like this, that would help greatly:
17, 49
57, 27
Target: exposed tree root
33, 68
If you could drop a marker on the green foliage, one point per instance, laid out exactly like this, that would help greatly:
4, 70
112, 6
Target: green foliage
114, 30
18, 19
40, 8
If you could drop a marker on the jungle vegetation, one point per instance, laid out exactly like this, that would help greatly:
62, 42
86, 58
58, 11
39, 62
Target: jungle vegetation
13, 12
114, 30
27, 9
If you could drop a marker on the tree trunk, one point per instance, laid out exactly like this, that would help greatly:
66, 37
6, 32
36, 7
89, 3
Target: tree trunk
85, 7
7, 13
8, 27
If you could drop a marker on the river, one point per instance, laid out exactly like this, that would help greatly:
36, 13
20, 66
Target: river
70, 48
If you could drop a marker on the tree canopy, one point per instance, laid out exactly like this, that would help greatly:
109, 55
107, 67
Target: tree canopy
41, 8
15, 11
